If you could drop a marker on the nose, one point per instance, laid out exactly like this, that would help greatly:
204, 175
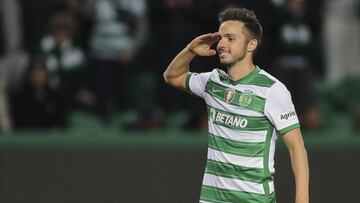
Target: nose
220, 44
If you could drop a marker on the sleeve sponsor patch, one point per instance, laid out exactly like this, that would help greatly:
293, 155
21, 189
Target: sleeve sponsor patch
287, 116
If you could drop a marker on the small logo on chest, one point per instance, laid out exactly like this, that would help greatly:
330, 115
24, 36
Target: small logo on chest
246, 98
229, 95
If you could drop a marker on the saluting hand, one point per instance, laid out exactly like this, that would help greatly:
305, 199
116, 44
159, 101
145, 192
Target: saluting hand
202, 45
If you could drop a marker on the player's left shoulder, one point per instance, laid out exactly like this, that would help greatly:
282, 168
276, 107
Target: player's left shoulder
268, 76
270, 79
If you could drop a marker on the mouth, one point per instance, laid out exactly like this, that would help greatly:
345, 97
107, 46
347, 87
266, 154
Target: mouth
222, 53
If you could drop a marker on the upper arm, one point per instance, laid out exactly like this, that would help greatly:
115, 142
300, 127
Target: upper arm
195, 83
179, 82
280, 110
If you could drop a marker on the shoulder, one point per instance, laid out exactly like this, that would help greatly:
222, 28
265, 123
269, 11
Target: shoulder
267, 79
275, 85
205, 75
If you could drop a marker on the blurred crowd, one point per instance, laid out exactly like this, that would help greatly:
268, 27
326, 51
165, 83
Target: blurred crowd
106, 58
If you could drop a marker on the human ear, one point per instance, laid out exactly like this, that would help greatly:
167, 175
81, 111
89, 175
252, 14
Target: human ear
252, 45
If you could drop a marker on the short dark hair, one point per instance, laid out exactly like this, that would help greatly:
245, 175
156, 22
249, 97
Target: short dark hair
245, 16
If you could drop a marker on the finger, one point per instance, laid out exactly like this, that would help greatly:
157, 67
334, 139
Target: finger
213, 38
206, 36
209, 37
212, 52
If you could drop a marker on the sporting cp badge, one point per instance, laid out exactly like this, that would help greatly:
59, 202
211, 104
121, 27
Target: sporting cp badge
229, 95
246, 98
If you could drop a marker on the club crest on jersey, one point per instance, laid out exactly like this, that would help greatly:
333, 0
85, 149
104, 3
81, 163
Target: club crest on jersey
246, 98
229, 95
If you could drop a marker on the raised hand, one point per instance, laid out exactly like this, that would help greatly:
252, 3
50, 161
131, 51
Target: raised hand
202, 45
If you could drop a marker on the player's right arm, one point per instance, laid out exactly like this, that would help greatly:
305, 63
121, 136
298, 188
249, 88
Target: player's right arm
177, 71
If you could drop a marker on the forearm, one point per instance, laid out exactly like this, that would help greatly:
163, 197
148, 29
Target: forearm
179, 65
299, 162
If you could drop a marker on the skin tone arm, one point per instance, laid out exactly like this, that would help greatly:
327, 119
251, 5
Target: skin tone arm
177, 71
299, 163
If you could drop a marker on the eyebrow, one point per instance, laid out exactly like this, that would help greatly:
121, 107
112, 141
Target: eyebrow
230, 35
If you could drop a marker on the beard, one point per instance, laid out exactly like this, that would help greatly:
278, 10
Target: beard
232, 61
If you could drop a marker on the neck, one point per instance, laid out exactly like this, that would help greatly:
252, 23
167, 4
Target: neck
240, 69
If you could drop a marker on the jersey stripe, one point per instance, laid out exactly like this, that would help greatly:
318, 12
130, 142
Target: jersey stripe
254, 78
238, 172
202, 201
244, 136
218, 91
237, 122
261, 80
272, 151
236, 147
289, 128
218, 103
216, 195
250, 162
232, 184
256, 90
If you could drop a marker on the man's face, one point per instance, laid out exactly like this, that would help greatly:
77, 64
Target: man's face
232, 46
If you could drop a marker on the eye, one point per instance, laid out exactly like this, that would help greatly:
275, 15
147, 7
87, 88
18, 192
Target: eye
231, 39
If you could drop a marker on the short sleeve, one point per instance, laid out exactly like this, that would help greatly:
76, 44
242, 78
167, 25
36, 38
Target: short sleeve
196, 82
280, 109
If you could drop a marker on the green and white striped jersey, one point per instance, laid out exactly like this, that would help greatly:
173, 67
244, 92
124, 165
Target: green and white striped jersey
245, 117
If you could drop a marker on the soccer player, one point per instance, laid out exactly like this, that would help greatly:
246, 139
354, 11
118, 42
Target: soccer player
247, 110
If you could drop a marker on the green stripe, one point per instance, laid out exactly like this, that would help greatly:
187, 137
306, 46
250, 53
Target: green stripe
223, 76
237, 172
248, 149
261, 80
289, 128
266, 162
236, 121
212, 194
218, 91
247, 78
254, 78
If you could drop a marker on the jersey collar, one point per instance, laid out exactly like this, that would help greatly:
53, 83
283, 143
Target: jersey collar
249, 77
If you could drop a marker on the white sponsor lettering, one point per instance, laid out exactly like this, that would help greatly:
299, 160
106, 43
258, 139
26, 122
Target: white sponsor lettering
212, 115
227, 119
218, 117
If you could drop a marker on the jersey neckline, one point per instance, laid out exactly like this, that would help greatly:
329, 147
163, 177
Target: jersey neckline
246, 79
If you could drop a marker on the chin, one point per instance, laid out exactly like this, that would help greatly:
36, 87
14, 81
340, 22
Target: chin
226, 63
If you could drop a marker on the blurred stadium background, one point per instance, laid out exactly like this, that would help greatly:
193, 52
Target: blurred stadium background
85, 115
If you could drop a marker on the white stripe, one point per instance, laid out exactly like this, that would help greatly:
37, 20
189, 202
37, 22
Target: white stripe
237, 135
202, 201
219, 104
271, 187
272, 151
250, 162
197, 83
232, 184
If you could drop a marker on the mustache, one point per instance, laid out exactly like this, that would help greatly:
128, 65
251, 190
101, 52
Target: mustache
222, 50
